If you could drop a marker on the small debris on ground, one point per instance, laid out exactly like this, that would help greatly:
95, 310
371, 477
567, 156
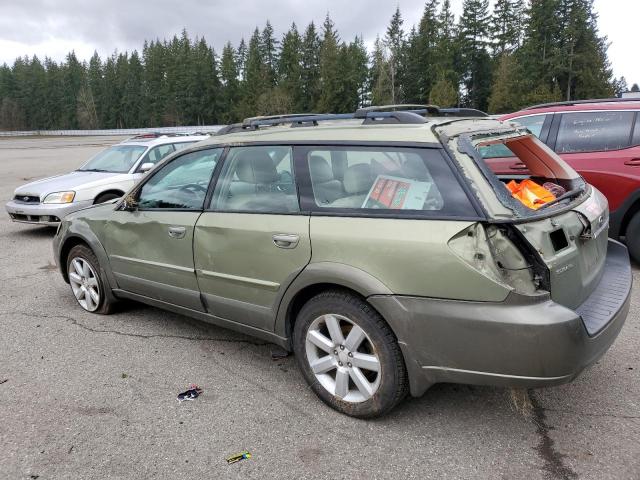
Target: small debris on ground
194, 392
124, 375
239, 456
4, 380
279, 354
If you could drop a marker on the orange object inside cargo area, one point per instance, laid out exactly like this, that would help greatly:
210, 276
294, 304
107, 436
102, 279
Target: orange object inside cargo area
530, 193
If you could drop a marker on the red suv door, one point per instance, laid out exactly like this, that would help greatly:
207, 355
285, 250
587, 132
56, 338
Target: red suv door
603, 147
499, 157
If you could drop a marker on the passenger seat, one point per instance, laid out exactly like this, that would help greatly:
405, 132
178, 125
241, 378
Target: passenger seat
358, 180
325, 187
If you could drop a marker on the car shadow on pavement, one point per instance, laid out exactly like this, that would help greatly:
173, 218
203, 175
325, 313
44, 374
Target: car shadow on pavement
34, 232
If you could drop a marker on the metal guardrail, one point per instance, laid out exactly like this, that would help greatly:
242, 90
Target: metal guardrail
115, 131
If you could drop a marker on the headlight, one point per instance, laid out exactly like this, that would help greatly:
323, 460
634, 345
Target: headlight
60, 197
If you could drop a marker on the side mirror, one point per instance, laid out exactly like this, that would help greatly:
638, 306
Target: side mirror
129, 204
145, 167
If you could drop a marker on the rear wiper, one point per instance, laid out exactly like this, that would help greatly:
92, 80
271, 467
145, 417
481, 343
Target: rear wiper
564, 196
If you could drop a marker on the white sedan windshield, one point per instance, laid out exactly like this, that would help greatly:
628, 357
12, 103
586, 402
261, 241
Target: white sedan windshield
117, 159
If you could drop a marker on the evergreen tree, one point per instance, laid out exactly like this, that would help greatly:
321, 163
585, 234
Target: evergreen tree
290, 67
476, 62
421, 70
394, 42
269, 54
381, 82
310, 63
330, 75
229, 76
254, 83
506, 26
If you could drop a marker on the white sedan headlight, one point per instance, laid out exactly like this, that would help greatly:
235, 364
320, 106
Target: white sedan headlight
59, 197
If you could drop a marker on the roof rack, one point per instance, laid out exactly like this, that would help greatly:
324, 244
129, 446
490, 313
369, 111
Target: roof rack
462, 112
383, 114
363, 112
583, 102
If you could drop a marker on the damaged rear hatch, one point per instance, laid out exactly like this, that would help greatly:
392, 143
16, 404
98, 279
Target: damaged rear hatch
562, 239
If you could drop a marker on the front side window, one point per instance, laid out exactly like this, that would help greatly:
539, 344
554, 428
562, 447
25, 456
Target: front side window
384, 179
594, 131
257, 179
533, 123
182, 183
116, 159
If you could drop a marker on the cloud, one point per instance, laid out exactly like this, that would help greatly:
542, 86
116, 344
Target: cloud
54, 27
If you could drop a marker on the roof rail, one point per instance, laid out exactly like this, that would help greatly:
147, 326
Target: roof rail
363, 112
462, 112
250, 121
583, 102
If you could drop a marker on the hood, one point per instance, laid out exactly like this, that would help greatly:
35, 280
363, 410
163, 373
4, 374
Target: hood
69, 181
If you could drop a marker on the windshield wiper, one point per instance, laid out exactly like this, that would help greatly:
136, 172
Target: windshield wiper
92, 170
564, 196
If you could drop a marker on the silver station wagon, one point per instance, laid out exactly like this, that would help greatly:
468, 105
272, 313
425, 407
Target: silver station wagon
104, 177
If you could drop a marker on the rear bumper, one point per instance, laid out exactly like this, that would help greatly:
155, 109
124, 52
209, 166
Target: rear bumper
42, 213
524, 341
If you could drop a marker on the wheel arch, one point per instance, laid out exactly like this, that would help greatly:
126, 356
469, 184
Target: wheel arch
115, 191
319, 277
65, 248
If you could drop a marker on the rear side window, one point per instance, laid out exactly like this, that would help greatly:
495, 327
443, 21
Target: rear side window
534, 124
594, 131
375, 179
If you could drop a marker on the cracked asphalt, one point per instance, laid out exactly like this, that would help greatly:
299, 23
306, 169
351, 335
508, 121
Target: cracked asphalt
89, 396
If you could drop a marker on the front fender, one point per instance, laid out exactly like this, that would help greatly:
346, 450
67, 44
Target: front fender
80, 230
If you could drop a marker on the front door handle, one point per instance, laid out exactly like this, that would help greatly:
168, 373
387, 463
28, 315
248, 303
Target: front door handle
634, 162
285, 240
177, 232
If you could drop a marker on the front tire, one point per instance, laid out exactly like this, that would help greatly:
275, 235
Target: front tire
86, 283
349, 355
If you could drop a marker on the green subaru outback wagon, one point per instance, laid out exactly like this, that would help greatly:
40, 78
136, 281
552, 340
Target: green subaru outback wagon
378, 246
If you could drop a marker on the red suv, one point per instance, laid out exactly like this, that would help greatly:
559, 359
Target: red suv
598, 138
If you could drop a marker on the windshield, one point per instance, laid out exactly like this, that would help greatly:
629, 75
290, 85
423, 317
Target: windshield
117, 159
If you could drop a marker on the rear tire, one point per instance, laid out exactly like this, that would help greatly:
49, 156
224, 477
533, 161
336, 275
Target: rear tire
632, 235
349, 356
86, 283
105, 197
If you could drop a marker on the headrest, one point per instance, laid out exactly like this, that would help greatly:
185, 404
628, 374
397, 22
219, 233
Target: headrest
254, 165
320, 169
358, 179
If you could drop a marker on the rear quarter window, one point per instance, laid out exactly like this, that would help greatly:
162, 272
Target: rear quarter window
594, 131
381, 180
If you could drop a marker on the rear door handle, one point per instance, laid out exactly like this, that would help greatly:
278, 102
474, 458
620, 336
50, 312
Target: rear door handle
286, 240
177, 232
634, 162
518, 166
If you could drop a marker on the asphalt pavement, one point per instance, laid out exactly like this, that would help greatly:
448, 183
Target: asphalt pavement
89, 396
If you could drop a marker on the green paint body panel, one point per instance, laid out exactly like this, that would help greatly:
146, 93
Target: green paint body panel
241, 271
410, 257
146, 260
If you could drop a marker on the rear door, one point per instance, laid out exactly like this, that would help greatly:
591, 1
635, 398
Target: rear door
151, 249
252, 240
603, 146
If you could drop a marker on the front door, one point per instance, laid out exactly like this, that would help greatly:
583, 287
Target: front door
253, 240
151, 249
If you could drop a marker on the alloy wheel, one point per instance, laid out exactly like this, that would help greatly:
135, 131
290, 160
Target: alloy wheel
84, 284
343, 358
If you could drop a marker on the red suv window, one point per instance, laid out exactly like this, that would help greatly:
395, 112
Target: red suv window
594, 131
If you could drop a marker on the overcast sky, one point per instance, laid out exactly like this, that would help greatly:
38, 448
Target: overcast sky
54, 27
